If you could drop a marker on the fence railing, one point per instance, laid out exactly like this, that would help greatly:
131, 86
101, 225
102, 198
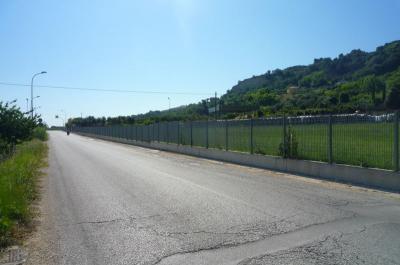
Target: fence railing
354, 139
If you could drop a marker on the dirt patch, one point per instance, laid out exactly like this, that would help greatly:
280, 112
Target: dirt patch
41, 245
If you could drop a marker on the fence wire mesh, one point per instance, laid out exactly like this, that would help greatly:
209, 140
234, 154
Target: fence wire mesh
363, 140
216, 134
185, 133
239, 135
173, 131
354, 139
308, 137
199, 133
267, 136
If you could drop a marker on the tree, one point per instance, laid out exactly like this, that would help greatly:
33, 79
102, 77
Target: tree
372, 85
15, 127
344, 98
393, 100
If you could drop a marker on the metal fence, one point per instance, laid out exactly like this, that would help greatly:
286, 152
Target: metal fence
354, 139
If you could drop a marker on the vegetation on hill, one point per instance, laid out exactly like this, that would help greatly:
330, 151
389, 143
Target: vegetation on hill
357, 81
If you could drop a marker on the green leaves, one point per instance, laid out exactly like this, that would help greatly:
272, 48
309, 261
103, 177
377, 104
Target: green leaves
393, 100
15, 126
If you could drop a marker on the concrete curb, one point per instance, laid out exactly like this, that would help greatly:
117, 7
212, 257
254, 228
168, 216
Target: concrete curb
367, 177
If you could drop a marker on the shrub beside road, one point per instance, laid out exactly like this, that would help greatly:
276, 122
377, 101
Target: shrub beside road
22, 154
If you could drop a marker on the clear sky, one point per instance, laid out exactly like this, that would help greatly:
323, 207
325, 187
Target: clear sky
193, 46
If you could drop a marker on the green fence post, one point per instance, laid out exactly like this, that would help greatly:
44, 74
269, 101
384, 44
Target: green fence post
136, 138
179, 138
158, 131
191, 133
251, 136
226, 135
153, 132
167, 132
330, 146
396, 142
284, 153
207, 133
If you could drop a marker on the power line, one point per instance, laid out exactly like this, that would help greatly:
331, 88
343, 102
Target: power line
108, 90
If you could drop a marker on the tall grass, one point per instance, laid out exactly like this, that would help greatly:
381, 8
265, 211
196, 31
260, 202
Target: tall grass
18, 187
40, 133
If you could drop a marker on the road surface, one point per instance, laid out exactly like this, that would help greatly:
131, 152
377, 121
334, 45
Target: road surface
117, 204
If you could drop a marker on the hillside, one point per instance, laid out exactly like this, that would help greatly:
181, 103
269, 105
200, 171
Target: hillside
357, 81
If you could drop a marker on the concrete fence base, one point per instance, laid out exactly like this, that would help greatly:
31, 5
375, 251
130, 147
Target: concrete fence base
367, 177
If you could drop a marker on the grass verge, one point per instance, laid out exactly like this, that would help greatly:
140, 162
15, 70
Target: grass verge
18, 188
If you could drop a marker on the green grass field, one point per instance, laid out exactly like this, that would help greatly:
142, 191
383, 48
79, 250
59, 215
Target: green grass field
364, 144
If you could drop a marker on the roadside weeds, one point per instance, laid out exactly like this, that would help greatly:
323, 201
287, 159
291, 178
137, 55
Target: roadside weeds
19, 191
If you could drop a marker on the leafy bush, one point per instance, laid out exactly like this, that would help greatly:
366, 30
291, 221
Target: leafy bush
40, 133
393, 100
16, 127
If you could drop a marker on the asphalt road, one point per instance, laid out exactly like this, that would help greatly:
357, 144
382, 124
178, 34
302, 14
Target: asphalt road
118, 204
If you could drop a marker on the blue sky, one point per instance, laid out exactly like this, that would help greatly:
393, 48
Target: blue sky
194, 46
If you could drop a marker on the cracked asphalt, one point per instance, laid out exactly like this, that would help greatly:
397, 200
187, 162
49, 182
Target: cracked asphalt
117, 204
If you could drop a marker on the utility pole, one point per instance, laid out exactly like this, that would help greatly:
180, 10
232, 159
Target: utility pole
27, 105
169, 104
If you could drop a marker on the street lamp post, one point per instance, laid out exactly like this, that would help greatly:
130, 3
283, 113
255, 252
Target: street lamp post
27, 107
43, 72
